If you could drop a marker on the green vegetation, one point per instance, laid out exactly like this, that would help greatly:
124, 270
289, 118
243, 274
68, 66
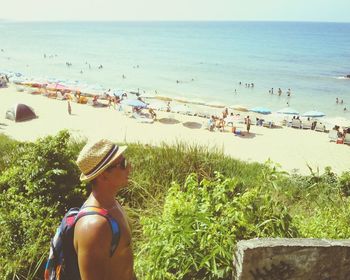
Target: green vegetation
188, 206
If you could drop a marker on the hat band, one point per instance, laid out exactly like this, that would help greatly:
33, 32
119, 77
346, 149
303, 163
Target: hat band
106, 158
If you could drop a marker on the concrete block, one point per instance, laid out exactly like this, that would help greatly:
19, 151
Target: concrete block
292, 259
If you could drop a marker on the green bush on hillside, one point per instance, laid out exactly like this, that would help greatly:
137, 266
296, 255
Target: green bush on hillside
36, 189
182, 230
195, 236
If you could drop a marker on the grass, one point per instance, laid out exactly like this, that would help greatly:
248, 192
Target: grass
306, 203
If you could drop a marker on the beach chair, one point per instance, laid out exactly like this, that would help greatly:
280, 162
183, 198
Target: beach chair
296, 123
333, 135
347, 138
306, 124
320, 127
268, 124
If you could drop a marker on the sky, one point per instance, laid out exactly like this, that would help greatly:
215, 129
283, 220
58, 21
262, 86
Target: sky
125, 10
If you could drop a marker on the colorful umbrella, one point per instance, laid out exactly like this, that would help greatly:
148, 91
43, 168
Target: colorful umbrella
314, 114
261, 110
288, 111
134, 103
56, 86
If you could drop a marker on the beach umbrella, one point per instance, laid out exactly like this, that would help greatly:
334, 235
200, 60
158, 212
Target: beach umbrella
117, 92
261, 110
288, 111
313, 114
240, 108
56, 86
134, 103
36, 83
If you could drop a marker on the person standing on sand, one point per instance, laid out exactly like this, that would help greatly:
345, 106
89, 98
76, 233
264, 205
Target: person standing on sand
248, 123
104, 165
69, 108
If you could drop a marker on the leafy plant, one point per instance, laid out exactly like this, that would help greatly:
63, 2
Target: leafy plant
195, 235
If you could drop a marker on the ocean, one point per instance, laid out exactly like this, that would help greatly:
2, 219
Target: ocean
193, 61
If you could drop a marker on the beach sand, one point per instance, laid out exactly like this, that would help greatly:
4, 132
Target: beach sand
294, 149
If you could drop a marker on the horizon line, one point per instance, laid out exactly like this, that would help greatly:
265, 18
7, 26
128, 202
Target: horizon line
172, 20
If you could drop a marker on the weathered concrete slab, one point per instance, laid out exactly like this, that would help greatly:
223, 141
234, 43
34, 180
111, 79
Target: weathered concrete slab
292, 259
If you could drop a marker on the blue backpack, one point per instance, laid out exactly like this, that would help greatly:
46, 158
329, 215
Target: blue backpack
63, 262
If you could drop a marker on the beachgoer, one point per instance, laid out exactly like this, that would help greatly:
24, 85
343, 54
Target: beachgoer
345, 109
225, 113
153, 114
236, 131
211, 123
279, 91
337, 100
94, 100
220, 124
248, 123
341, 101
271, 90
104, 165
69, 108
168, 107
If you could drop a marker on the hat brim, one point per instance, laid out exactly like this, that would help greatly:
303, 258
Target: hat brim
88, 178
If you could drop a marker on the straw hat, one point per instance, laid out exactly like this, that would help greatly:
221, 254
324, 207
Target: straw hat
95, 157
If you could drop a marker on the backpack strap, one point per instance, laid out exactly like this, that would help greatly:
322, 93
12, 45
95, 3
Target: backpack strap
93, 210
55, 261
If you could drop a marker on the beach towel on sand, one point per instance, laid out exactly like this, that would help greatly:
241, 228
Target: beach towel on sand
63, 262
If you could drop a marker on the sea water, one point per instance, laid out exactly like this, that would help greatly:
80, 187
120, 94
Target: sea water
192, 61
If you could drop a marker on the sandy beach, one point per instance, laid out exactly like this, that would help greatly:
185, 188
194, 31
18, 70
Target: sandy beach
294, 149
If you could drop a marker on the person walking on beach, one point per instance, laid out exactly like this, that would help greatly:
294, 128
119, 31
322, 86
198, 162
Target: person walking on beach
69, 108
248, 123
104, 165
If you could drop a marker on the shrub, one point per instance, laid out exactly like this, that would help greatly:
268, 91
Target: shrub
39, 185
195, 235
